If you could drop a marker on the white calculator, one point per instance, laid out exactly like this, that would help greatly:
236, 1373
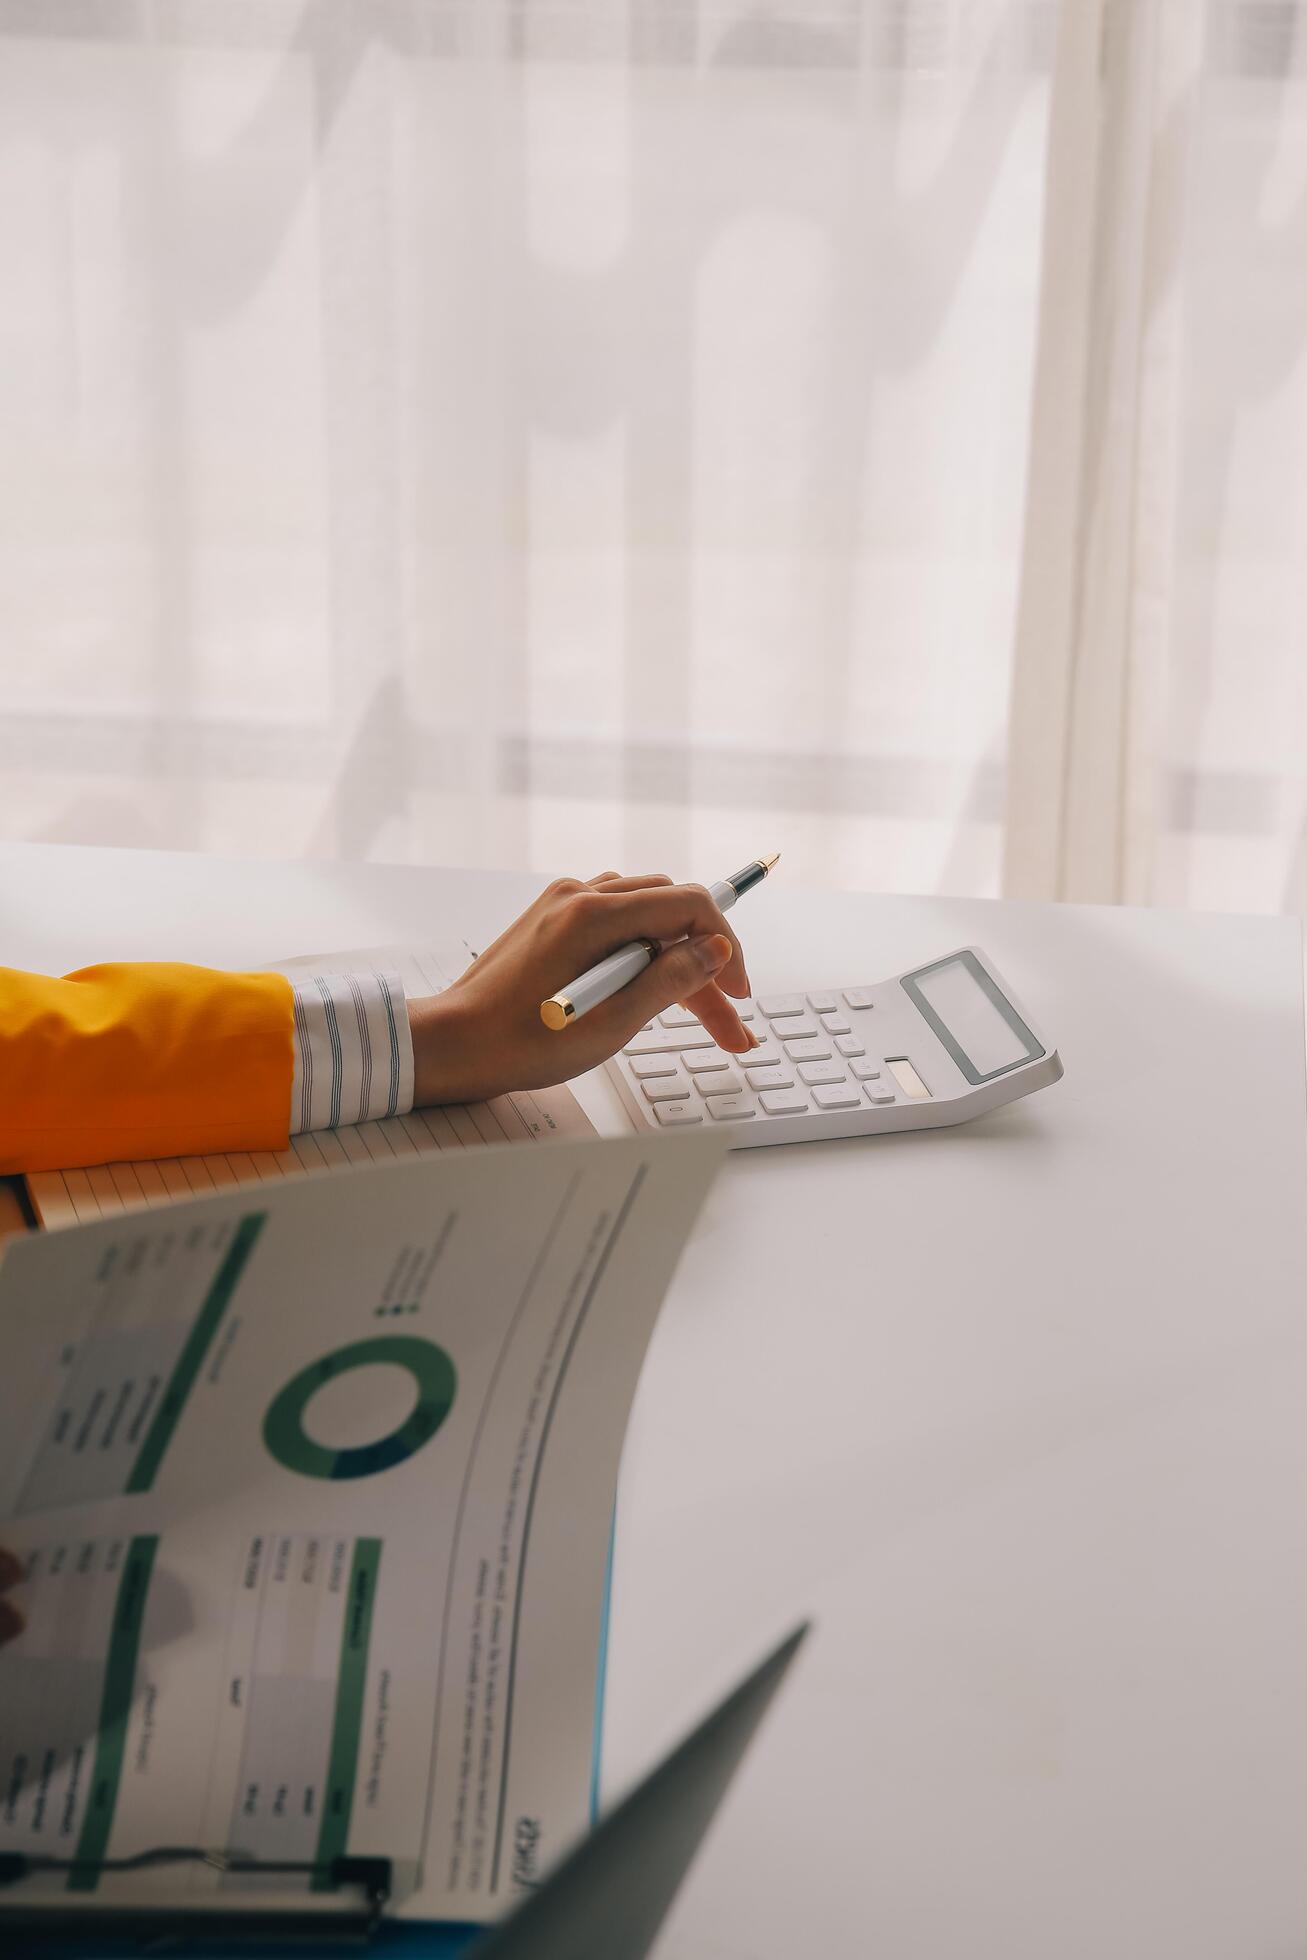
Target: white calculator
941, 1044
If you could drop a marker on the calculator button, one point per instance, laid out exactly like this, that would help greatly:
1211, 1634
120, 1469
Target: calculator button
674, 1113
848, 1044
664, 1087
669, 1041
705, 1059
644, 1066
812, 1072
876, 1092
722, 1082
865, 1071
859, 997
777, 1005
784, 1102
809, 1051
678, 1017
837, 1024
772, 1078
729, 1109
801, 1028
822, 1003
765, 1055
842, 1095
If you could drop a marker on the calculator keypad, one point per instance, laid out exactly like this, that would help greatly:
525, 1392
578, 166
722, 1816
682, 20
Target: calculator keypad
825, 1063
812, 1058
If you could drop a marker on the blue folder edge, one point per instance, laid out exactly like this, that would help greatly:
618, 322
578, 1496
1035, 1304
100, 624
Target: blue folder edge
435, 1939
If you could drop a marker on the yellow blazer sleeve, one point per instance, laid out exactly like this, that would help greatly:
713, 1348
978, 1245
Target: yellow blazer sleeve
142, 1061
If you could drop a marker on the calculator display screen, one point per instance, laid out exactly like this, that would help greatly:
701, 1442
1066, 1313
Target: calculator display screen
975, 1021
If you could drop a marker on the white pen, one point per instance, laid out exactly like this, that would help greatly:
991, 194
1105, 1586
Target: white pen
621, 967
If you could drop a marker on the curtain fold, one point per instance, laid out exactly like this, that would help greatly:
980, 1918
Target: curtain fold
1094, 613
1158, 726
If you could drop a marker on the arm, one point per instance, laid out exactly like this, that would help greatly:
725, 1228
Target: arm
141, 1061
134, 1061
157, 1060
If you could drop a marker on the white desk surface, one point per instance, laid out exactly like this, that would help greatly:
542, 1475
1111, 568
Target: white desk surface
1017, 1411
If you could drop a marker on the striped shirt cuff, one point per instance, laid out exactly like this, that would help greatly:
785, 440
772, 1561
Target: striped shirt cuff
353, 1051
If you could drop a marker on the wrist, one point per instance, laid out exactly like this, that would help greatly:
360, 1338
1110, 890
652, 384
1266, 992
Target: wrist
434, 1049
438, 1048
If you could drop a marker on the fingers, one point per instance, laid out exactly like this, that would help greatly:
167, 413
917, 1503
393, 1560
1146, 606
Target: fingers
669, 912
679, 973
717, 1012
613, 881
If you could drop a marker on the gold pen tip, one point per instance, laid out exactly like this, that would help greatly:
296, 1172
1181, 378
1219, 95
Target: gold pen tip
770, 863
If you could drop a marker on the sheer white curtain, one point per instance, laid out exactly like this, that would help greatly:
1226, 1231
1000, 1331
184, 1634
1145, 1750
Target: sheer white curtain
562, 431
581, 431
1159, 722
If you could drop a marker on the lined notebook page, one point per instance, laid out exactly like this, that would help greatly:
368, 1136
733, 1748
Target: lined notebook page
70, 1197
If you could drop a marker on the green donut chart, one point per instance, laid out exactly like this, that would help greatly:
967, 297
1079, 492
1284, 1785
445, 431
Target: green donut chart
288, 1441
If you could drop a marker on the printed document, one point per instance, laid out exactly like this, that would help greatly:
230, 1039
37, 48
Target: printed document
314, 1480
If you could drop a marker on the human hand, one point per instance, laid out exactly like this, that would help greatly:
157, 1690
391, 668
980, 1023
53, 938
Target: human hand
11, 1620
484, 1034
